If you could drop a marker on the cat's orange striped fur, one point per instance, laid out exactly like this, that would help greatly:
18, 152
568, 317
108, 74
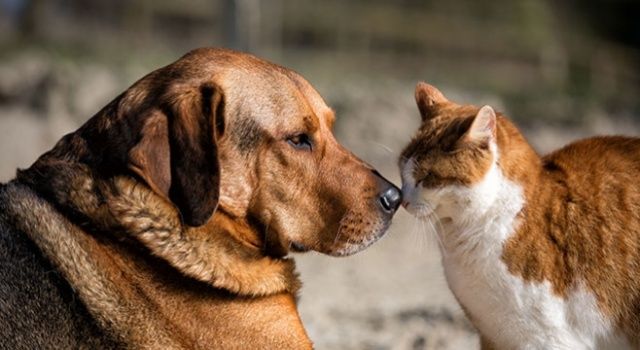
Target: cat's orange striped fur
541, 252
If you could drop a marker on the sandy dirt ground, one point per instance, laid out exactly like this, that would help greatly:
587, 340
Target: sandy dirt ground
391, 296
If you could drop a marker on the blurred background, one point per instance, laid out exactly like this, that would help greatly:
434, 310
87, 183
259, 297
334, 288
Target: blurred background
562, 70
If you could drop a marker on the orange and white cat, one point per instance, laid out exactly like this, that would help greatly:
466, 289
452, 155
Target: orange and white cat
541, 252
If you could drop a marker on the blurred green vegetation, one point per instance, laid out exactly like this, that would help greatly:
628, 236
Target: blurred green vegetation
546, 61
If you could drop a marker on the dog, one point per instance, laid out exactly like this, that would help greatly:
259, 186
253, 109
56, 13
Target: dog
166, 220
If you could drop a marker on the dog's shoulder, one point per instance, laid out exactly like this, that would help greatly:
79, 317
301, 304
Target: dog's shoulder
38, 308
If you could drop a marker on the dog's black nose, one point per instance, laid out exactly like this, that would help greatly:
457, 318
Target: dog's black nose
391, 199
389, 196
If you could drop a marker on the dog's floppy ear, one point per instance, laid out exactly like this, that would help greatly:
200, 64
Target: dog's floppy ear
177, 154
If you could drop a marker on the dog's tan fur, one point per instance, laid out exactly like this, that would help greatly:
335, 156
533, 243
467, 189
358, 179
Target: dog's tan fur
126, 295
128, 206
171, 212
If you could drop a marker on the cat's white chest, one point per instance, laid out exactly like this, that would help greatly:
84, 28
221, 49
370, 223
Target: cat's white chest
511, 312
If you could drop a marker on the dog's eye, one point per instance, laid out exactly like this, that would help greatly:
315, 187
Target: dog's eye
300, 141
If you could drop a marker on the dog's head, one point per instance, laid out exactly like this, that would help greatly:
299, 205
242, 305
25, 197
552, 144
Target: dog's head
223, 131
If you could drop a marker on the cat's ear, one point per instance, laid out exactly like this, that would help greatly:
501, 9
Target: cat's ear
428, 99
483, 127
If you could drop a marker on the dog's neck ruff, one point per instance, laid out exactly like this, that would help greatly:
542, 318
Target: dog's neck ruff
136, 301
129, 209
72, 251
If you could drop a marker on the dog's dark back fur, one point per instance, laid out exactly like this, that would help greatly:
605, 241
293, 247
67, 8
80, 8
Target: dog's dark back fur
38, 308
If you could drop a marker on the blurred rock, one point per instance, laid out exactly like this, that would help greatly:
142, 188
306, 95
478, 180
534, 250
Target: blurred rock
25, 80
23, 137
94, 87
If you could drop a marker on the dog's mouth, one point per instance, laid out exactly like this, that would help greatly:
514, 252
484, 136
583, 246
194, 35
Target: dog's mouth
343, 245
297, 247
354, 232
353, 246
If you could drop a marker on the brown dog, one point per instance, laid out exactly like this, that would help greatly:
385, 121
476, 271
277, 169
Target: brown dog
168, 215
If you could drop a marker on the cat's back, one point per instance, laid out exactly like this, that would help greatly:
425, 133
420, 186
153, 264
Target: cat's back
592, 206
602, 154
603, 168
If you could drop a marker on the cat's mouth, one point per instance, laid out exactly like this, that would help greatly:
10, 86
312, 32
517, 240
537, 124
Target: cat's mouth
420, 210
426, 211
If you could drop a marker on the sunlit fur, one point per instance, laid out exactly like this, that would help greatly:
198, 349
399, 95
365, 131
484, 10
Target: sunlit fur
518, 231
170, 213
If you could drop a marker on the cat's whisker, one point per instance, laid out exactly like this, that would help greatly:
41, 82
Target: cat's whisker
429, 237
413, 161
424, 237
428, 229
422, 211
439, 223
383, 146
416, 231
434, 222
423, 221
439, 240
414, 227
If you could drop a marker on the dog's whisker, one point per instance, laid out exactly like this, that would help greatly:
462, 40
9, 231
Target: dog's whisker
335, 240
432, 235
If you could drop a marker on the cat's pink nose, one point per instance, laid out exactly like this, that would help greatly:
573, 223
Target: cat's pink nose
405, 204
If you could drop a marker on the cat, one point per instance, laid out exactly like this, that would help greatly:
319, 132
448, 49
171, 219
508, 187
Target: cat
541, 252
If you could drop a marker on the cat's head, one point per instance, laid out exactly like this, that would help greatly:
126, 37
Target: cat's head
449, 161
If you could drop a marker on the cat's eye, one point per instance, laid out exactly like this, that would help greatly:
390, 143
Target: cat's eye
301, 142
421, 181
